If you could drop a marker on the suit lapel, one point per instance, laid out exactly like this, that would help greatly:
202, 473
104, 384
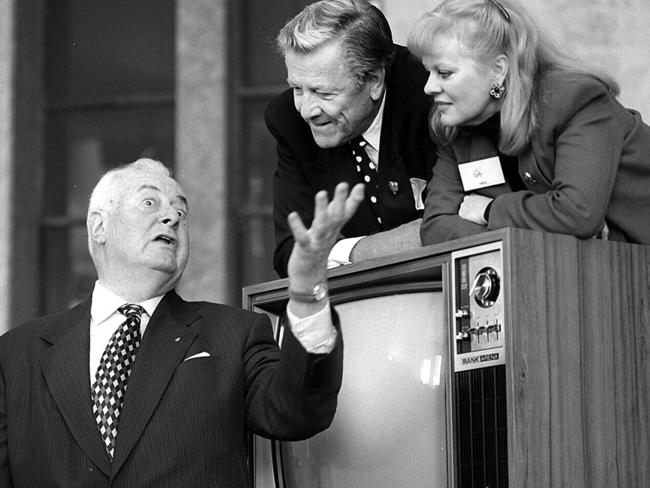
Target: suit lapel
392, 166
65, 368
163, 348
387, 158
337, 165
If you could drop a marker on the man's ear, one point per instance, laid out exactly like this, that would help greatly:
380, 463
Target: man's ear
376, 79
96, 227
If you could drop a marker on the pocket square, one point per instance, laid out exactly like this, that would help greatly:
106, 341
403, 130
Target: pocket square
203, 354
418, 185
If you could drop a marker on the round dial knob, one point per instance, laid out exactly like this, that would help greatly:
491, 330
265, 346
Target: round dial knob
485, 288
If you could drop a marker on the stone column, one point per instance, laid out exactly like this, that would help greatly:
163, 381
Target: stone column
21, 136
201, 146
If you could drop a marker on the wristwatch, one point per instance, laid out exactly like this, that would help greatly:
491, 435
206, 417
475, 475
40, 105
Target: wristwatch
317, 294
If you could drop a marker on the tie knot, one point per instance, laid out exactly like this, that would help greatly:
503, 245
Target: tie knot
131, 310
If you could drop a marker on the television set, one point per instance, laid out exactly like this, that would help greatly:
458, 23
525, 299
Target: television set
498, 360
390, 427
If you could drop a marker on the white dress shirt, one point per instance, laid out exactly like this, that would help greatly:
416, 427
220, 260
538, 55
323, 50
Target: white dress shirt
315, 332
105, 319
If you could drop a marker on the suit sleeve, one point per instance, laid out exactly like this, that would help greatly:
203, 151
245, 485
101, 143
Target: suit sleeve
579, 125
291, 189
444, 195
290, 394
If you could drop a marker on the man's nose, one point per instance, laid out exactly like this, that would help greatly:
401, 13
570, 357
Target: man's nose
308, 106
170, 216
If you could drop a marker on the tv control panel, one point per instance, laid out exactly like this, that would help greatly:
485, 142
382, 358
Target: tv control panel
477, 296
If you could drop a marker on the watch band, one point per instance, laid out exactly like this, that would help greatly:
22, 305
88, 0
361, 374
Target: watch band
317, 294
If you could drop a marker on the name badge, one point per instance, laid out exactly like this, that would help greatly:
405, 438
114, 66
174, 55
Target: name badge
481, 173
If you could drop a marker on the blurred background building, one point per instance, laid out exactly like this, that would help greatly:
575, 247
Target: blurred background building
86, 85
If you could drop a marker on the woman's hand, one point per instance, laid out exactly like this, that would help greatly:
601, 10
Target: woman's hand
473, 208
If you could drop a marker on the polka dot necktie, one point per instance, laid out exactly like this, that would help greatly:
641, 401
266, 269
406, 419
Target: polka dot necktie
368, 172
113, 372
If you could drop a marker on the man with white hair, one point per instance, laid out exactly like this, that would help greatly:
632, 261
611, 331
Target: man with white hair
136, 386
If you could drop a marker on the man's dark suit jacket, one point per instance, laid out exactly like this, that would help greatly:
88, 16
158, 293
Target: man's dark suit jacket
183, 423
406, 151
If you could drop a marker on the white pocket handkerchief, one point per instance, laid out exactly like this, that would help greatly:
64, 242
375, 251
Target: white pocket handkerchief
418, 185
203, 354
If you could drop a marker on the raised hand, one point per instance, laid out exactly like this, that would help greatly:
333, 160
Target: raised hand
308, 262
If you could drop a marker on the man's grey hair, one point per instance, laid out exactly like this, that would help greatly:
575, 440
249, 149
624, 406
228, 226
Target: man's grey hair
365, 32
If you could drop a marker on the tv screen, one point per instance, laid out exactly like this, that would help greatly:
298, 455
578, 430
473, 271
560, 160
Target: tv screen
390, 428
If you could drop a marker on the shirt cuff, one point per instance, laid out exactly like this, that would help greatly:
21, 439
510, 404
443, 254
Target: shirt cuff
486, 212
340, 253
316, 332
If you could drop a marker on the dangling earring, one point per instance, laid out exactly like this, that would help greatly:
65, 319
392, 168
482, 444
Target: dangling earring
497, 89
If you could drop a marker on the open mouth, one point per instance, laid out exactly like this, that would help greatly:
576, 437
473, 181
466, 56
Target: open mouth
165, 239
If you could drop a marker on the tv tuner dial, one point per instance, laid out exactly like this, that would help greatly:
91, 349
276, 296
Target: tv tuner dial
486, 286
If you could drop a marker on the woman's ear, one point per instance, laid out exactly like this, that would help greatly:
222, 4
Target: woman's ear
500, 68
96, 227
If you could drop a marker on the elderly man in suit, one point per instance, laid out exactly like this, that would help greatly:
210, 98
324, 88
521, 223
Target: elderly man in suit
136, 386
355, 112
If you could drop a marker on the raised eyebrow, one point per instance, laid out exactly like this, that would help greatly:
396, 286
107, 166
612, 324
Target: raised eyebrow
148, 187
179, 197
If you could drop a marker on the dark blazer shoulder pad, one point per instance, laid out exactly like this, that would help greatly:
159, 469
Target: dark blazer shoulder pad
52, 326
561, 95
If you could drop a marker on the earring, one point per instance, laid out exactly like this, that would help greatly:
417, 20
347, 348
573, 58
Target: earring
497, 89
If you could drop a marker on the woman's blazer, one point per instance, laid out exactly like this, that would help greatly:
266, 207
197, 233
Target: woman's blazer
588, 164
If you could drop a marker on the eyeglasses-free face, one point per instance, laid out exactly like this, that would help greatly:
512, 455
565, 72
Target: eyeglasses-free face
459, 83
335, 106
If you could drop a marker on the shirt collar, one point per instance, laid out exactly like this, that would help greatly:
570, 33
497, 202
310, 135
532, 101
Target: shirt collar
105, 303
373, 133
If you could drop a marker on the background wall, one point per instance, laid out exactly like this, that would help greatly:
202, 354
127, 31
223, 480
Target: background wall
613, 34
226, 71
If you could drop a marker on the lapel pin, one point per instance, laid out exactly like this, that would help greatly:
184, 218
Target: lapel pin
394, 187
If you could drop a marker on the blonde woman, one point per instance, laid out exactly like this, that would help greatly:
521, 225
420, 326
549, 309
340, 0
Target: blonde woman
527, 136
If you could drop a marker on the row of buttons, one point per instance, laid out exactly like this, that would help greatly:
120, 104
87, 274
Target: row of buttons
478, 331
